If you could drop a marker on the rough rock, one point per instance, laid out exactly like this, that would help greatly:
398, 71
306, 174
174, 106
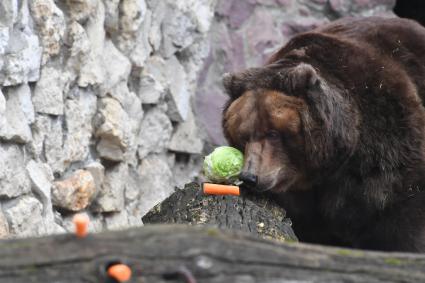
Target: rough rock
9, 12
48, 92
178, 98
81, 10
132, 186
177, 28
19, 114
186, 138
91, 68
150, 90
79, 51
49, 141
142, 48
155, 181
111, 195
80, 108
25, 216
98, 172
21, 56
116, 66
4, 226
111, 121
117, 220
74, 193
76, 80
50, 22
112, 16
155, 132
42, 177
158, 9
132, 13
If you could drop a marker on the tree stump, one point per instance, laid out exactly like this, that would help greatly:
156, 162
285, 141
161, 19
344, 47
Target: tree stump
252, 213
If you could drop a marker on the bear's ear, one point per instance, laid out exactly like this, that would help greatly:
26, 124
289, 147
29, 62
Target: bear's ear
300, 78
233, 85
254, 78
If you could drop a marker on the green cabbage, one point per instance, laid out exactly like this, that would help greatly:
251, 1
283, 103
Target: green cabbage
223, 165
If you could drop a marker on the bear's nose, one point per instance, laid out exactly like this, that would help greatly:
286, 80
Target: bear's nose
249, 179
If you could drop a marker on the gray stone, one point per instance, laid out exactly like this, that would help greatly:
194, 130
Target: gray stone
112, 130
81, 10
178, 30
42, 177
20, 53
116, 66
25, 216
98, 172
74, 193
111, 195
143, 48
186, 138
48, 92
117, 220
150, 90
19, 114
156, 181
91, 69
50, 22
178, 98
158, 13
22, 62
4, 226
48, 141
132, 13
3, 121
9, 12
155, 132
132, 186
79, 51
80, 108
112, 15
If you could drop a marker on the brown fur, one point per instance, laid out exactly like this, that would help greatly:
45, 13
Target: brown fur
334, 127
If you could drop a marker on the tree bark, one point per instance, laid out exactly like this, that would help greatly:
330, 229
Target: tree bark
156, 252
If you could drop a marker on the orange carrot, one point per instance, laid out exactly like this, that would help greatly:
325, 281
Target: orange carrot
120, 272
216, 189
81, 223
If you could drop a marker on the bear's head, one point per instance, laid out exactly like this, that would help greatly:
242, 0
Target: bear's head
294, 126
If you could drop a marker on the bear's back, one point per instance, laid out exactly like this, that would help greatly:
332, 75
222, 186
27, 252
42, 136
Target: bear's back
399, 41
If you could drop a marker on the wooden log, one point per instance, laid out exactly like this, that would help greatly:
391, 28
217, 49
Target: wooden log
156, 252
252, 213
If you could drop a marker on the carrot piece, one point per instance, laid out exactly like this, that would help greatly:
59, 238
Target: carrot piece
81, 223
120, 272
216, 189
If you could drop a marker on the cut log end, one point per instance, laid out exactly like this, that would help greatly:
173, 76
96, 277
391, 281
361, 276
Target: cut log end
249, 212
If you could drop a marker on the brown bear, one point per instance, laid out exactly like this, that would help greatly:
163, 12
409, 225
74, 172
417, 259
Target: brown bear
333, 127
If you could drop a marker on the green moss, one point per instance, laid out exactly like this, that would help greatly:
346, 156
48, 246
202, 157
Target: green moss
393, 261
346, 252
213, 232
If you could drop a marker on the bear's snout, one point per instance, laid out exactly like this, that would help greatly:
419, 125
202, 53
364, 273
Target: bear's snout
250, 180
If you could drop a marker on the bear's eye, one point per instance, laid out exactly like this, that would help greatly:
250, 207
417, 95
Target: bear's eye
273, 135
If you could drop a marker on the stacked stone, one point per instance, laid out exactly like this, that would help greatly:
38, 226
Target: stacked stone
95, 106
245, 33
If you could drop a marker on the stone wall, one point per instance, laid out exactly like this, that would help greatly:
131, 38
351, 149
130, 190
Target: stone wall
246, 32
95, 108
